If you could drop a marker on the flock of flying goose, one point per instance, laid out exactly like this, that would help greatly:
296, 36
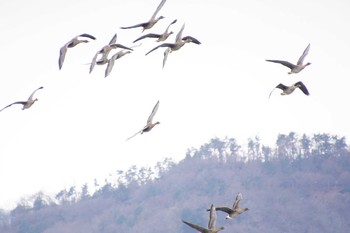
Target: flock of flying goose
232, 213
180, 41
101, 58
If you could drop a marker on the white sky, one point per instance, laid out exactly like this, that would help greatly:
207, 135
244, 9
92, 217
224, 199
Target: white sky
76, 131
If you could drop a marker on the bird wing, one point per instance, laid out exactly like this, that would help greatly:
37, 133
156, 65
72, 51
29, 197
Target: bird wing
166, 53
161, 45
120, 46
31, 96
161, 4
88, 36
154, 111
92, 65
63, 52
135, 26
193, 40
18, 102
301, 59
302, 87
113, 40
110, 65
212, 217
179, 34
197, 227
280, 86
237, 201
224, 209
285, 63
134, 135
150, 35
170, 25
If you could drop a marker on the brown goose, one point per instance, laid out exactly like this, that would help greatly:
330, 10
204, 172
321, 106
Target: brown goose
104, 51
112, 60
160, 37
26, 104
70, 44
299, 66
287, 90
179, 42
211, 224
153, 20
149, 124
235, 210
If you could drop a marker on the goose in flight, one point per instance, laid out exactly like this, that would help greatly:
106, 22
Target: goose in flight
149, 124
235, 210
26, 104
111, 61
152, 21
70, 44
179, 42
160, 37
287, 90
211, 224
104, 51
300, 64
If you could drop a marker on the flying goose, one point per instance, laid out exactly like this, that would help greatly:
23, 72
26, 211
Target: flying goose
70, 44
211, 224
299, 66
111, 61
179, 42
152, 21
26, 104
149, 124
287, 90
104, 51
160, 37
235, 210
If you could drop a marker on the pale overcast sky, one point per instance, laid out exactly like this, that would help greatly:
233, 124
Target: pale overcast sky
76, 131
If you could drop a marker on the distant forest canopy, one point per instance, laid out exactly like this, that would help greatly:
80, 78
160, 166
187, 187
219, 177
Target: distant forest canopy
309, 176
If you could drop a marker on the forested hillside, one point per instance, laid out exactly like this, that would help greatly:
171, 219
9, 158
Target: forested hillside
302, 184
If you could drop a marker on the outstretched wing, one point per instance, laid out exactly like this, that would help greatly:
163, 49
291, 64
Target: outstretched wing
18, 102
194, 226
134, 135
285, 63
154, 111
161, 45
166, 53
63, 52
179, 34
170, 25
224, 209
193, 40
31, 96
302, 87
113, 40
161, 4
110, 65
135, 26
120, 46
88, 36
150, 35
236, 203
301, 59
92, 65
212, 217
